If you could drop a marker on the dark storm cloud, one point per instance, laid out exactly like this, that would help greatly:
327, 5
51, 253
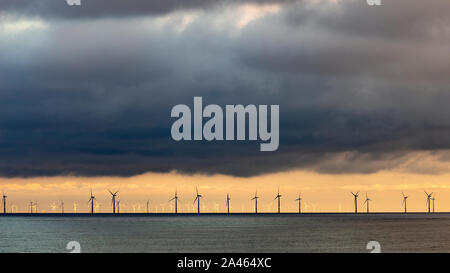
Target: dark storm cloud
359, 87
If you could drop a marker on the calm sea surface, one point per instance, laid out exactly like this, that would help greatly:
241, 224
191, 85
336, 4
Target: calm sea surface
227, 233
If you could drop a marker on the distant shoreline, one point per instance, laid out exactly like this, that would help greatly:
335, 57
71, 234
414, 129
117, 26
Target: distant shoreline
213, 214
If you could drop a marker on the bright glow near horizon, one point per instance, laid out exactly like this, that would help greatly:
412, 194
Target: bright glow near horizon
320, 192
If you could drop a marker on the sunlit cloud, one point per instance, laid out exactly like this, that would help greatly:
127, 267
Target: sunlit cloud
13, 25
247, 13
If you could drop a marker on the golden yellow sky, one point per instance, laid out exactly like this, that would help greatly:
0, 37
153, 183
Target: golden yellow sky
320, 192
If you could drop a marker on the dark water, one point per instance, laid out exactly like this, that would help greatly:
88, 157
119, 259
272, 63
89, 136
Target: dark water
227, 233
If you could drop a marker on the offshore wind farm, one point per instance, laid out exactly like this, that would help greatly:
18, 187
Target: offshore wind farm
94, 207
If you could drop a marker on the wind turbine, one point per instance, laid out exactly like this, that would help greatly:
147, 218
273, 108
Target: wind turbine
31, 206
356, 201
404, 200
279, 198
148, 206
428, 200
62, 206
113, 200
4, 202
197, 198
256, 201
175, 198
367, 201
299, 199
53, 206
118, 206
228, 203
92, 199
13, 208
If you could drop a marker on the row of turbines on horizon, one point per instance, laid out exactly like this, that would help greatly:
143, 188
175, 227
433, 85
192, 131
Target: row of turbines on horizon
430, 199
33, 206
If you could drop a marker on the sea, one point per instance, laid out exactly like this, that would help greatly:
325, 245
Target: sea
226, 233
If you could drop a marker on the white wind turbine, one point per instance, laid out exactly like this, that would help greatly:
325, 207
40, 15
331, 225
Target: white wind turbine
197, 198
367, 202
279, 199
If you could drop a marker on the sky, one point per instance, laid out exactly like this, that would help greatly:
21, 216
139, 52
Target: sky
86, 94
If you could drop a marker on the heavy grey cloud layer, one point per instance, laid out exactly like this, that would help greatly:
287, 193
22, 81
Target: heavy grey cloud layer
89, 91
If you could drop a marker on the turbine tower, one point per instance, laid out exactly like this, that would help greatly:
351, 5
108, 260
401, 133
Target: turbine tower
428, 200
432, 199
148, 206
404, 201
197, 198
279, 198
175, 199
356, 201
4, 202
367, 201
299, 199
62, 206
228, 203
118, 206
256, 201
31, 206
113, 200
92, 199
